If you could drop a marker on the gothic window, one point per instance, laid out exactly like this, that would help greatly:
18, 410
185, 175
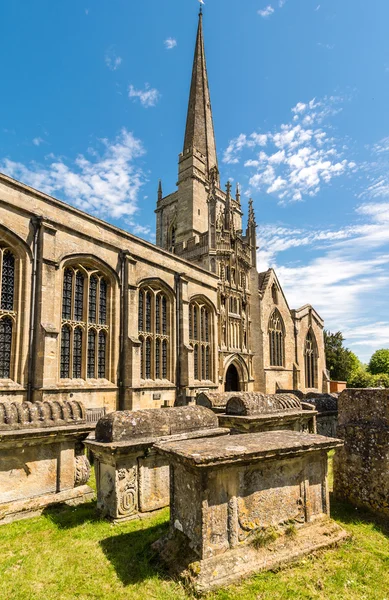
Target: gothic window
6, 325
310, 360
7, 310
276, 340
85, 328
154, 333
200, 336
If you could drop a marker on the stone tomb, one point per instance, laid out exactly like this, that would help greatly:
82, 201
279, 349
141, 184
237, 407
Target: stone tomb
42, 459
361, 467
245, 503
216, 401
254, 412
131, 478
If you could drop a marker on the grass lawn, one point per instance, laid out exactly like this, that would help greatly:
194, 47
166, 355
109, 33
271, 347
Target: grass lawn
68, 553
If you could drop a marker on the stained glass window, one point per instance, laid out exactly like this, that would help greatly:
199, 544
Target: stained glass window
67, 294
91, 354
158, 313
102, 354
164, 315
310, 360
276, 340
93, 282
148, 311
8, 281
158, 359
140, 311
5, 347
79, 297
148, 359
164, 359
77, 353
103, 302
65, 352
200, 339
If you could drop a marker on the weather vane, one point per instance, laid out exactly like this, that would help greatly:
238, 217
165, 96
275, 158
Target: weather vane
201, 6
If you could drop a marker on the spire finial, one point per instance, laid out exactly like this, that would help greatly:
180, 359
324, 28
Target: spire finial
201, 8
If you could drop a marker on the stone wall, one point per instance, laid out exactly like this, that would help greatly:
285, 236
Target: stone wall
361, 467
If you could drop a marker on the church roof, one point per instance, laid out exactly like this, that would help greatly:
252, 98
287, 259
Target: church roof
199, 133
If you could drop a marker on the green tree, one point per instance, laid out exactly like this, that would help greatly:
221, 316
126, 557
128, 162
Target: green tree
379, 362
341, 362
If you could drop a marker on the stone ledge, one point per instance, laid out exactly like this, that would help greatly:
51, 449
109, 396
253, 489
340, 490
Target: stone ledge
225, 569
26, 509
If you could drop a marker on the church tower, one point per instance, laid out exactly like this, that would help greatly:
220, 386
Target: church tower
186, 219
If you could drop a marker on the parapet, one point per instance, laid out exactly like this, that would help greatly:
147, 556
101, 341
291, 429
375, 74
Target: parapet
39, 415
257, 403
122, 426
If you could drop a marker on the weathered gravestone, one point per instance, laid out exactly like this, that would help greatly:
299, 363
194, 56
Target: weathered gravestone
246, 503
326, 406
131, 478
254, 412
42, 459
361, 467
216, 401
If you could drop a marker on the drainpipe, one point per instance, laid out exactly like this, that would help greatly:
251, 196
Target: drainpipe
123, 327
34, 312
177, 282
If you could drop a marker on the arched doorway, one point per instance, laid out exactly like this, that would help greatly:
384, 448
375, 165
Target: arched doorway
232, 380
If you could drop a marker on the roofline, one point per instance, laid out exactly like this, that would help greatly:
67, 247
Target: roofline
84, 215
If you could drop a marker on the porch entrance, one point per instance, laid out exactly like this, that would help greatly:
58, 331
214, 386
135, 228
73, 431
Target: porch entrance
232, 380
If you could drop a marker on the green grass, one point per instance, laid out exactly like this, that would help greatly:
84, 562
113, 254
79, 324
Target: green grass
69, 554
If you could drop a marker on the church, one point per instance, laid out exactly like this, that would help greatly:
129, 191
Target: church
92, 313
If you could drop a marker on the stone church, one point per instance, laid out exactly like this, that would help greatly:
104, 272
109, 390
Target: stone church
90, 312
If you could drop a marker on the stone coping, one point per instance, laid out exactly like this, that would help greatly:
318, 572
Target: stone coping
246, 447
147, 442
268, 418
46, 432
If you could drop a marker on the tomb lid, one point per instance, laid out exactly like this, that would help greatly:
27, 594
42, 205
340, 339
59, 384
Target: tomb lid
246, 447
323, 402
215, 399
130, 425
257, 403
38, 415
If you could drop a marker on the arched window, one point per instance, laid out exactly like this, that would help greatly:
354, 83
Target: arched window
7, 310
155, 325
200, 336
310, 360
85, 324
276, 340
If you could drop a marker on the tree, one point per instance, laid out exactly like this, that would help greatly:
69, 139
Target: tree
379, 362
341, 362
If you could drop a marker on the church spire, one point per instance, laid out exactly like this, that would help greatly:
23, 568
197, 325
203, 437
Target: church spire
199, 133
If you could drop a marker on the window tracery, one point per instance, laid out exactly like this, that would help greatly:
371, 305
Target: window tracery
277, 340
200, 336
154, 326
8, 314
84, 330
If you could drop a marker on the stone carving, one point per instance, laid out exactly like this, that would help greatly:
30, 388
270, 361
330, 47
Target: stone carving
130, 478
37, 415
82, 470
127, 491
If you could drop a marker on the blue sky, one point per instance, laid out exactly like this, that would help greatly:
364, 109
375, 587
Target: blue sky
93, 104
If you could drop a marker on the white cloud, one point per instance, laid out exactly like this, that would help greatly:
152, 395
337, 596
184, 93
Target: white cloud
347, 281
37, 141
170, 43
106, 185
148, 96
326, 46
378, 172
112, 60
300, 156
266, 12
